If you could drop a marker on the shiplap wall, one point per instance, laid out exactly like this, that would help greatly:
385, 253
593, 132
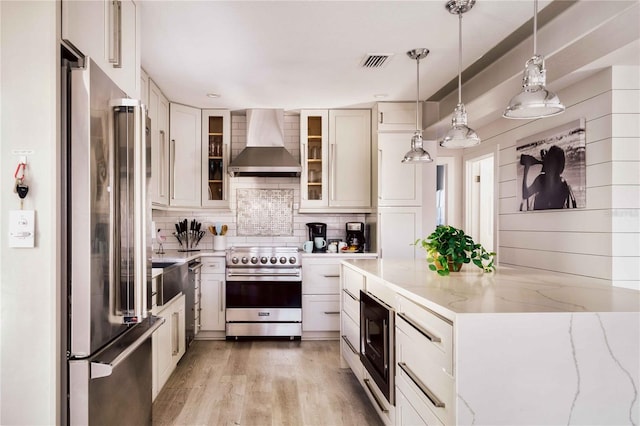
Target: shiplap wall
601, 241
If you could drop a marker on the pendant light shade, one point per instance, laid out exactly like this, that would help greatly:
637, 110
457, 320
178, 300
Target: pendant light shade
417, 154
535, 100
459, 135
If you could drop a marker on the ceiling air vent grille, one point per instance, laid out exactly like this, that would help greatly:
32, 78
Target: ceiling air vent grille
376, 60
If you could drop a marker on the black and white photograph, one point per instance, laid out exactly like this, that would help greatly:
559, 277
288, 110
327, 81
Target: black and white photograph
551, 168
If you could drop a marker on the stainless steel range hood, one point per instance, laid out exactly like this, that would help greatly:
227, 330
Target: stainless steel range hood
265, 154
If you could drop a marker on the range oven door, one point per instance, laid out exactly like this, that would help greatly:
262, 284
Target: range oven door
263, 305
376, 342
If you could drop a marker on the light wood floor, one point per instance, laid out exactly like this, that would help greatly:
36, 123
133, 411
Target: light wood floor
263, 382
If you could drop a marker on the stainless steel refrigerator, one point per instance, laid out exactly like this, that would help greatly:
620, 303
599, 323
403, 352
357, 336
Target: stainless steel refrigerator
106, 244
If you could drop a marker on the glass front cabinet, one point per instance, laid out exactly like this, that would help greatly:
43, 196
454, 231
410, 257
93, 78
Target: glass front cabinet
314, 141
216, 151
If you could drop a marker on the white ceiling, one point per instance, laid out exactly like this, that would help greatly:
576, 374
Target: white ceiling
307, 54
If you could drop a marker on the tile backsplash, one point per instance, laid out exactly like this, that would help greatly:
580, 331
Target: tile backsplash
256, 203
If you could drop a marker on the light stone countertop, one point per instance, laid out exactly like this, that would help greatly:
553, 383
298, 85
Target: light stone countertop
508, 290
185, 256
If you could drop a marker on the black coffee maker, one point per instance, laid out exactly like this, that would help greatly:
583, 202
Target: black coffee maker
355, 236
318, 229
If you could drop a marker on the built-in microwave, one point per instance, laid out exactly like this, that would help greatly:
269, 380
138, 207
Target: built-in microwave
376, 342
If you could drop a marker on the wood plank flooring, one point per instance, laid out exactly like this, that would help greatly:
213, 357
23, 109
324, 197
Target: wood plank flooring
263, 382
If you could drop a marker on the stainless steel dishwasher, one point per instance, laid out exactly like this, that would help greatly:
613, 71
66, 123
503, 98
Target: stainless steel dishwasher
192, 297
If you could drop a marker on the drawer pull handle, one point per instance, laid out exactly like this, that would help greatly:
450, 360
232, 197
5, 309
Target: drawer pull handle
331, 312
331, 276
350, 294
425, 390
420, 329
346, 340
375, 397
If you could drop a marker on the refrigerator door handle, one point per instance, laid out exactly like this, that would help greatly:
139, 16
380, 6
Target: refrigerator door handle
139, 236
104, 369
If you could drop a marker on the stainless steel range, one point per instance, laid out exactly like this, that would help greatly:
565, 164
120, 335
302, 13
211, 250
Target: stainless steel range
263, 292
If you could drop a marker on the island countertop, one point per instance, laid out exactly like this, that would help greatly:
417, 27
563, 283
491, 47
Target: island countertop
507, 290
525, 346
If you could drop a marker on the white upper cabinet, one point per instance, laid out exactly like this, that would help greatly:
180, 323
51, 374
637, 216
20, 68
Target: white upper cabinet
159, 115
399, 184
314, 150
397, 116
216, 150
350, 158
335, 149
185, 156
107, 31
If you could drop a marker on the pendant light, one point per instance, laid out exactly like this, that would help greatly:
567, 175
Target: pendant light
535, 100
459, 135
417, 153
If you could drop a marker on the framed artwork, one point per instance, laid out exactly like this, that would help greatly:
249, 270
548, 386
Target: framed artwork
551, 168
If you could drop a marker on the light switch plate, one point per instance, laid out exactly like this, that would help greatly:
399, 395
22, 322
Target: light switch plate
22, 228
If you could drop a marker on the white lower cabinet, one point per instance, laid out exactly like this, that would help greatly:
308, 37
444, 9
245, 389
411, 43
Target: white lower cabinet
398, 228
168, 343
212, 290
320, 312
424, 362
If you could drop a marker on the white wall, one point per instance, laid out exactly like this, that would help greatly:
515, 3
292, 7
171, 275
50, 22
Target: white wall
29, 315
601, 241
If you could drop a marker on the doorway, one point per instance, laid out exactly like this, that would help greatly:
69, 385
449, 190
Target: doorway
480, 188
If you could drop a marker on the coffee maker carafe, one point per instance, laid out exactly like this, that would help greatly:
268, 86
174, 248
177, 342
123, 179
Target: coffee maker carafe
318, 230
355, 236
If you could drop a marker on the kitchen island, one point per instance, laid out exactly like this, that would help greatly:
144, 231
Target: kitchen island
512, 347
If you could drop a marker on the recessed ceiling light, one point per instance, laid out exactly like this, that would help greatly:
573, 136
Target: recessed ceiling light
213, 95
380, 96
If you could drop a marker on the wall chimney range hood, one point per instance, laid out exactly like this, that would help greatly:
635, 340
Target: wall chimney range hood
265, 154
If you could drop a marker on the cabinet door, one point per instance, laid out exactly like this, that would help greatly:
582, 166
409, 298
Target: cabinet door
350, 158
159, 114
399, 184
399, 227
314, 179
144, 89
185, 156
212, 316
107, 31
83, 25
216, 150
398, 116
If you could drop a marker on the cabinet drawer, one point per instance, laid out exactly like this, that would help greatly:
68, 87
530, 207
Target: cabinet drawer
321, 278
351, 305
433, 331
407, 414
423, 377
352, 281
213, 265
350, 344
321, 312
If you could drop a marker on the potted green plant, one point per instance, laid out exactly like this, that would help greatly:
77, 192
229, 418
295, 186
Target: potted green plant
448, 248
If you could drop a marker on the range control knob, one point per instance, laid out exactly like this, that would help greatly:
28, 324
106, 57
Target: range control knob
263, 259
244, 259
283, 260
254, 260
234, 260
292, 260
273, 259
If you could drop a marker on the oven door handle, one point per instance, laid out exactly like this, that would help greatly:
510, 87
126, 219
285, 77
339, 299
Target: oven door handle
263, 274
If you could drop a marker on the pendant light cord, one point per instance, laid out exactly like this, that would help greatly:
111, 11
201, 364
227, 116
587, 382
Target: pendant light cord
535, 27
459, 57
417, 91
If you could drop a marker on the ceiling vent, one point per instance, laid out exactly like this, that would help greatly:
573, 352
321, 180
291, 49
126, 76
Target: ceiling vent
376, 60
